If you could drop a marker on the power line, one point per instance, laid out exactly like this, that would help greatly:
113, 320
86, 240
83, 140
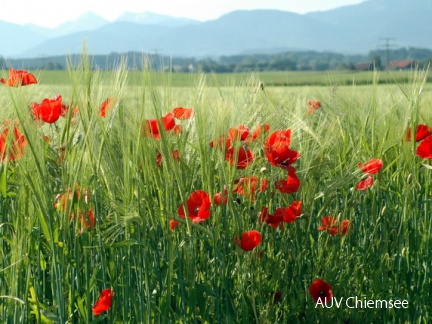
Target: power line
387, 45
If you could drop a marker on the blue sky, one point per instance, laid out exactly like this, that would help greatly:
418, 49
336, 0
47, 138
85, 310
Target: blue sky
51, 13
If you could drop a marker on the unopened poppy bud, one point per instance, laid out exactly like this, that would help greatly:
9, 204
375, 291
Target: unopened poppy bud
263, 169
383, 210
304, 215
409, 178
261, 85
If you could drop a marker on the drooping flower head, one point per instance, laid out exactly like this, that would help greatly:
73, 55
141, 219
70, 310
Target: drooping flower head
48, 110
198, 206
320, 291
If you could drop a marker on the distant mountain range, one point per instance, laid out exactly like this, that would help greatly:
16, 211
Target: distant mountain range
350, 29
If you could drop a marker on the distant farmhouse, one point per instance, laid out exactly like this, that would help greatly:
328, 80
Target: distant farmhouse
364, 66
392, 65
402, 64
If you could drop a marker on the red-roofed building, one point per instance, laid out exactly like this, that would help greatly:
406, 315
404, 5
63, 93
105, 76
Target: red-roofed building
401, 64
363, 66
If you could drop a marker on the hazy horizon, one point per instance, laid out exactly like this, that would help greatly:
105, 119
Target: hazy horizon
48, 13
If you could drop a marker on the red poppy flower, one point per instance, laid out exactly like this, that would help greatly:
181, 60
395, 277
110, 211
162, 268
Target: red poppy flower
12, 149
257, 132
182, 113
168, 121
174, 154
422, 132
221, 198
289, 214
240, 158
272, 220
177, 129
277, 151
329, 225
151, 126
224, 142
365, 183
65, 109
239, 133
19, 78
291, 184
344, 227
372, 166
77, 194
48, 110
85, 219
103, 303
321, 291
108, 103
313, 105
248, 186
198, 206
173, 224
249, 240
424, 150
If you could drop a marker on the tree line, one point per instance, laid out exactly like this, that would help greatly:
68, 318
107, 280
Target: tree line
287, 61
